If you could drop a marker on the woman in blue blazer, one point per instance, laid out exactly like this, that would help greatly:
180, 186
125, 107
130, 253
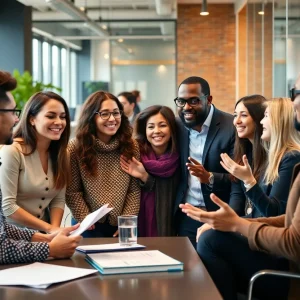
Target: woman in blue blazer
266, 195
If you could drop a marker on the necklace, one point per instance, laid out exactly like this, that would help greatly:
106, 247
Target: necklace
248, 207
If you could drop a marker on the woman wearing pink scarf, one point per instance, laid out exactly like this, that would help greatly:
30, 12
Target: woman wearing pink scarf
155, 131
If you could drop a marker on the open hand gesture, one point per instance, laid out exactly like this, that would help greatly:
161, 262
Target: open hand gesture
243, 173
224, 219
134, 168
197, 169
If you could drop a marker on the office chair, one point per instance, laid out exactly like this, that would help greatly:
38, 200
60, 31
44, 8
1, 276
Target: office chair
272, 273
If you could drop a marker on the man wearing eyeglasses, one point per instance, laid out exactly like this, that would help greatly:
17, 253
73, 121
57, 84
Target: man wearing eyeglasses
18, 245
204, 132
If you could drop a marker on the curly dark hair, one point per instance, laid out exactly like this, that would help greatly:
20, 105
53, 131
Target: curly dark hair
86, 132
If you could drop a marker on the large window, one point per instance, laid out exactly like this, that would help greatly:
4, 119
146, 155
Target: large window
56, 64
36, 58
46, 63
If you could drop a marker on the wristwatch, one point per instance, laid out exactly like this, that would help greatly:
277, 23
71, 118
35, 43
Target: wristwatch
211, 178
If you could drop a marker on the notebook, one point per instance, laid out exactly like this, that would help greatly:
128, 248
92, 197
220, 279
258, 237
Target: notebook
108, 248
133, 262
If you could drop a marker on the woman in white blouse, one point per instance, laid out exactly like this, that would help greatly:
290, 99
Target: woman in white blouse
34, 169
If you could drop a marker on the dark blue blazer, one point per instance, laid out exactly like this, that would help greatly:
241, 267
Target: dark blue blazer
220, 139
268, 200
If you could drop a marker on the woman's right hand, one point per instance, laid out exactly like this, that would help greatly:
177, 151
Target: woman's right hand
134, 168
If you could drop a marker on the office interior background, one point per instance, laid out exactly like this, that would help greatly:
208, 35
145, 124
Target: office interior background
241, 47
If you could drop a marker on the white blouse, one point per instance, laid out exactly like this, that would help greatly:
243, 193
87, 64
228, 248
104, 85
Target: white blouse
24, 184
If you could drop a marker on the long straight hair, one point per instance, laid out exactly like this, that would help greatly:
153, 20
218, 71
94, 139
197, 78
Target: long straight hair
57, 149
86, 132
256, 105
141, 124
284, 137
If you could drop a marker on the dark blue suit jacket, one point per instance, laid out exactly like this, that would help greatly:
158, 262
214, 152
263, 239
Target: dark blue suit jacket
268, 200
220, 139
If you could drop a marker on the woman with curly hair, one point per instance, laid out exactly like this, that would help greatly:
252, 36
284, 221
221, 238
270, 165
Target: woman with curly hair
102, 136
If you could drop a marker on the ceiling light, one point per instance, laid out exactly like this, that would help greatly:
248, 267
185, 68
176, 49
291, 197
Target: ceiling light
204, 11
262, 11
104, 27
106, 56
120, 40
82, 8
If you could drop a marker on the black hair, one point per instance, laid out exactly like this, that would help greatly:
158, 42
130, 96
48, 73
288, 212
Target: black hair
129, 96
7, 84
198, 80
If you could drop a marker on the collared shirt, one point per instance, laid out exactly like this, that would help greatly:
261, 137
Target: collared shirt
194, 194
131, 118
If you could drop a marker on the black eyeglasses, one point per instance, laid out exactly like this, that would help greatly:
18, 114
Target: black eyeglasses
294, 93
193, 101
17, 112
105, 115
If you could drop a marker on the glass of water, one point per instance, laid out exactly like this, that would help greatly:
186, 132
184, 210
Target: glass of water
127, 226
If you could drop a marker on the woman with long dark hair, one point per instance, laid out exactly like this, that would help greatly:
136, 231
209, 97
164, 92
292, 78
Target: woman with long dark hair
265, 194
33, 175
102, 136
155, 131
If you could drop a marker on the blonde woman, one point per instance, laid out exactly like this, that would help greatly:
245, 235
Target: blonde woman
268, 195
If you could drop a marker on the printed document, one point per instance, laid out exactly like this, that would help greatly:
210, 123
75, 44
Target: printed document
91, 219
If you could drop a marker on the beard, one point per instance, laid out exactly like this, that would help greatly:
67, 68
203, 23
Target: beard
296, 124
199, 118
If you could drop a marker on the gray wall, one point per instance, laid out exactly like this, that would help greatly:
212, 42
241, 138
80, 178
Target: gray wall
15, 36
83, 68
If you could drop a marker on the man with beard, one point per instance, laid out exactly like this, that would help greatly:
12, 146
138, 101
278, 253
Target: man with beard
19, 245
204, 132
236, 248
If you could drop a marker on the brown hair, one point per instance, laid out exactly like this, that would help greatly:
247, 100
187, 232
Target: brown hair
256, 106
57, 149
136, 93
86, 131
141, 124
7, 84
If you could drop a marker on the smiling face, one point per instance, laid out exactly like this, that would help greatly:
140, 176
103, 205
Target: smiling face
193, 116
50, 122
158, 133
266, 123
243, 122
106, 129
8, 119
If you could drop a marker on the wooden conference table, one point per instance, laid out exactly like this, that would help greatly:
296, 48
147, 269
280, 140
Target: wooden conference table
193, 283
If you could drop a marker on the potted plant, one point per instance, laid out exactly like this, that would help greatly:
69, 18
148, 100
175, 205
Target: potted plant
26, 87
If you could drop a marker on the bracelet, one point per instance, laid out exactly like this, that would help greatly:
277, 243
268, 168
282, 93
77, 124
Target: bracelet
250, 185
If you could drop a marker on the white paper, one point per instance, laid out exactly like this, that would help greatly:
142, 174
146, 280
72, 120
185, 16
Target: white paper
39, 275
133, 259
91, 219
114, 247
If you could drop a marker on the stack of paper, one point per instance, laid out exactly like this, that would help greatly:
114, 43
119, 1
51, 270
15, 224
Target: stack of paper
91, 219
133, 262
40, 275
108, 248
